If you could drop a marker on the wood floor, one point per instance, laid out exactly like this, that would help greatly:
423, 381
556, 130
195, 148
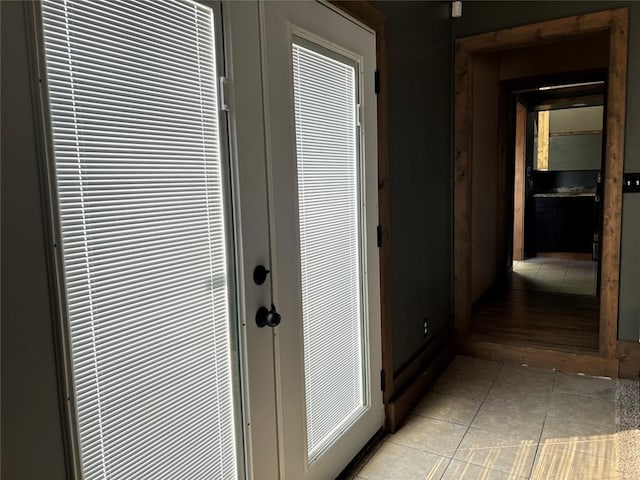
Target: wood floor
547, 316
554, 321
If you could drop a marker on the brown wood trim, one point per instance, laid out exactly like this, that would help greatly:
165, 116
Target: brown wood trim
613, 171
562, 78
550, 104
402, 404
629, 357
364, 12
541, 162
407, 374
571, 134
383, 212
539, 32
541, 358
373, 18
518, 183
616, 22
462, 191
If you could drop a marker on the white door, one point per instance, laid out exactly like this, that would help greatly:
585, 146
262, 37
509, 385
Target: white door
169, 190
318, 76
139, 169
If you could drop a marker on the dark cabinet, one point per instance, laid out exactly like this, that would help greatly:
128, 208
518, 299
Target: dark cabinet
564, 223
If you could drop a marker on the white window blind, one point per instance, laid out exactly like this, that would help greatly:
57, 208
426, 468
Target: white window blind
134, 115
328, 199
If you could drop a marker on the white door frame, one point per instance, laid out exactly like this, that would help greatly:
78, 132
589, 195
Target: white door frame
251, 227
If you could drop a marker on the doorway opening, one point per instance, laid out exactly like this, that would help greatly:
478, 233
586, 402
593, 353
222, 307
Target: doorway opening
549, 296
539, 145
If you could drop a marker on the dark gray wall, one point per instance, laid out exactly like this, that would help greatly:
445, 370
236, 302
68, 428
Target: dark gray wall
419, 66
31, 429
575, 152
629, 327
480, 16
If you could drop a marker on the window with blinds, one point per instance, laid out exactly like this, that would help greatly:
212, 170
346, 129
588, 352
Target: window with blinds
325, 101
136, 141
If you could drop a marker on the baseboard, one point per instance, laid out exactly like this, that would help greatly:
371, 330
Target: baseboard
629, 358
417, 363
541, 357
489, 292
416, 386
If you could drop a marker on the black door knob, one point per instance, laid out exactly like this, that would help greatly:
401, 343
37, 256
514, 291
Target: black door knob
260, 274
267, 318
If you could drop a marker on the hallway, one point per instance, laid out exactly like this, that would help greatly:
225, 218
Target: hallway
549, 303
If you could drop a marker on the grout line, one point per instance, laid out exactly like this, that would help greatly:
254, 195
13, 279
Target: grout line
441, 420
564, 276
477, 411
535, 455
449, 460
474, 417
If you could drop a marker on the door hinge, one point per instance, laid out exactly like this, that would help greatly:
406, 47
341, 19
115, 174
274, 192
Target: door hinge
382, 380
224, 94
376, 81
379, 235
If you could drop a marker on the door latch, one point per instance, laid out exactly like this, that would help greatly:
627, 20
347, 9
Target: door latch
268, 318
260, 274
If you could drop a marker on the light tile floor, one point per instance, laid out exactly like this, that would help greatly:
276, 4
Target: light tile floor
556, 275
491, 421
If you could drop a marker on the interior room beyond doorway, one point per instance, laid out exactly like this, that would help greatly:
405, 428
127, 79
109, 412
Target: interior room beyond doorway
488, 73
549, 297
